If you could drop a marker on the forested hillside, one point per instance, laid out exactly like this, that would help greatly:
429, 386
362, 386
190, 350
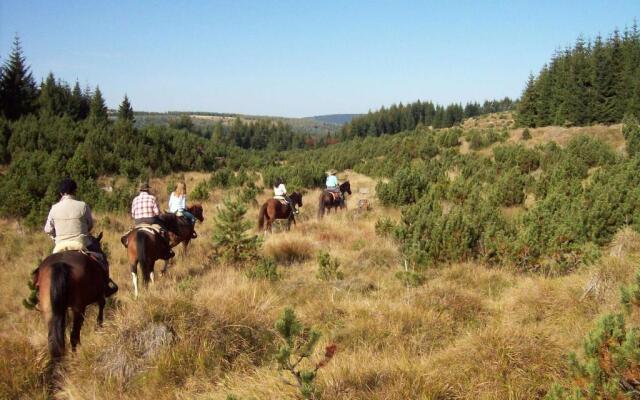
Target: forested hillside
398, 118
594, 82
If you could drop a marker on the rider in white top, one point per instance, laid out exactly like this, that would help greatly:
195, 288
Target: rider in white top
178, 202
280, 193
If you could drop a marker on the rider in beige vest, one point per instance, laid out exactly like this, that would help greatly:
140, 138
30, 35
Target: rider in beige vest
69, 223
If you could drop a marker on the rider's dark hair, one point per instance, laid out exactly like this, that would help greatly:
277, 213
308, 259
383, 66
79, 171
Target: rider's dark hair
279, 181
68, 186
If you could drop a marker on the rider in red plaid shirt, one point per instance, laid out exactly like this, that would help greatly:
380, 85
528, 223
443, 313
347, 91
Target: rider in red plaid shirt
145, 210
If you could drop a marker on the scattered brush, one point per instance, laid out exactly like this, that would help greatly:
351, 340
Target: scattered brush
265, 269
288, 250
410, 278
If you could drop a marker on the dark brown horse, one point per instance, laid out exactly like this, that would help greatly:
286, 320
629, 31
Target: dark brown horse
181, 230
328, 200
273, 209
69, 279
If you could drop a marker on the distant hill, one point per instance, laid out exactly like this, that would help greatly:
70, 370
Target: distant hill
319, 125
337, 119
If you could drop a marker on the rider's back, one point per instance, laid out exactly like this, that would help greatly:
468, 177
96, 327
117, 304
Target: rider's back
72, 219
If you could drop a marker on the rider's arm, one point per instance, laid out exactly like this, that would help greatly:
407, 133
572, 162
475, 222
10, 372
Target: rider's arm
89, 218
49, 228
156, 209
284, 189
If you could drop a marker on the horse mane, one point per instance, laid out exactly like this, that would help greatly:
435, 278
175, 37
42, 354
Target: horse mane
170, 221
197, 211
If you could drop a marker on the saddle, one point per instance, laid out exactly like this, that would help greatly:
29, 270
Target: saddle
336, 196
153, 229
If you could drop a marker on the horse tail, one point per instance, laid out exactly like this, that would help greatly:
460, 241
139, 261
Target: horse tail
262, 216
59, 293
141, 249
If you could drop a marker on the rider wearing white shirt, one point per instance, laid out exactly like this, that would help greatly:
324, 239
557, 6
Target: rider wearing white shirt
280, 193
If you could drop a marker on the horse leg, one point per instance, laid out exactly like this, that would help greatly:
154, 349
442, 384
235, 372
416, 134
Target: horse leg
101, 303
78, 319
134, 278
152, 277
185, 244
165, 267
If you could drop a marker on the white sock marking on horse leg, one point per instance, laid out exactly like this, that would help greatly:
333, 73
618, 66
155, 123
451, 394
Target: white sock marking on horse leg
134, 279
152, 278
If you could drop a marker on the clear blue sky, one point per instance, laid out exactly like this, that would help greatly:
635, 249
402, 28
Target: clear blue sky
299, 58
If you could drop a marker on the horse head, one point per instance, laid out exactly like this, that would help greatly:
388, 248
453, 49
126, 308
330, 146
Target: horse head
296, 198
345, 187
196, 210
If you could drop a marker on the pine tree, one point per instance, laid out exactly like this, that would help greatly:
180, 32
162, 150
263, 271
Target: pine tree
526, 111
79, 104
230, 237
98, 108
125, 112
54, 97
631, 133
18, 91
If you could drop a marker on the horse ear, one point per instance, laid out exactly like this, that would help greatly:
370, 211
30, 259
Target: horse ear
99, 237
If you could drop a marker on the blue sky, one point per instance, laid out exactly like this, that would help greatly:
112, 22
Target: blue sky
299, 58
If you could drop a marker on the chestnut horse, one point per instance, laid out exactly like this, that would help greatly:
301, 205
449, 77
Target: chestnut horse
184, 230
144, 248
328, 200
69, 279
273, 209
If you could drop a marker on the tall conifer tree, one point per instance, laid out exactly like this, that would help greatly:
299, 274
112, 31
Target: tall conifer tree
18, 91
125, 112
98, 108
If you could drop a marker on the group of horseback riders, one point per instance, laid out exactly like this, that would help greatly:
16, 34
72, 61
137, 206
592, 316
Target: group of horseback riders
70, 223
70, 220
332, 186
76, 274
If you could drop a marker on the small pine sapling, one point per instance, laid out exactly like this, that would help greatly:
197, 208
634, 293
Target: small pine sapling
296, 350
230, 234
610, 368
32, 300
630, 294
328, 267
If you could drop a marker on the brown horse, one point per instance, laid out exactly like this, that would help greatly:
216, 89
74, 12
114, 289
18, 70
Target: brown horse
273, 209
329, 201
144, 248
181, 230
69, 279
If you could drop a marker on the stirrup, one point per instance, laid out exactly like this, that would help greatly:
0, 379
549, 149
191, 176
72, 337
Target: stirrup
194, 235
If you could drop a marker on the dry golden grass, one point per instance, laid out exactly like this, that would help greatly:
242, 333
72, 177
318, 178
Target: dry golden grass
205, 330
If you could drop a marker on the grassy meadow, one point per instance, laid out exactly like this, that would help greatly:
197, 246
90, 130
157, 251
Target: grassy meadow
205, 330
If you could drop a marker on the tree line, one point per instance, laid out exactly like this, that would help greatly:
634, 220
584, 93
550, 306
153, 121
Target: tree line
398, 118
592, 82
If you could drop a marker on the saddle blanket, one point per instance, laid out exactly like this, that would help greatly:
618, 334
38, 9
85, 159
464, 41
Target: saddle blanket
71, 245
281, 199
150, 228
